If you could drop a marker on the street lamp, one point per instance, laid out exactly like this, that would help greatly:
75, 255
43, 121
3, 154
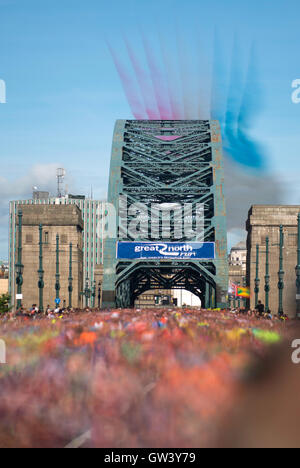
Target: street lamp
70, 287
267, 277
280, 272
99, 295
19, 265
257, 280
239, 298
245, 285
41, 283
93, 294
57, 276
87, 293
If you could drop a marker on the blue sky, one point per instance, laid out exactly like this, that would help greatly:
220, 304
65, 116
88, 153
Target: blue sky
64, 93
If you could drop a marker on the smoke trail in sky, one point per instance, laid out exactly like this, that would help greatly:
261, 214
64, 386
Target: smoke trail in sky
129, 86
202, 82
172, 78
253, 154
144, 84
235, 90
252, 97
219, 83
171, 83
158, 81
169, 79
242, 106
187, 94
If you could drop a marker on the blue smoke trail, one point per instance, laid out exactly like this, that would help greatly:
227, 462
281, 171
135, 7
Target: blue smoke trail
243, 105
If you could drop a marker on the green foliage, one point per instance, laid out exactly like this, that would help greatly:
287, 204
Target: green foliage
4, 303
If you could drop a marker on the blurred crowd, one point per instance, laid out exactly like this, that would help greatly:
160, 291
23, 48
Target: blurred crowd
35, 312
166, 377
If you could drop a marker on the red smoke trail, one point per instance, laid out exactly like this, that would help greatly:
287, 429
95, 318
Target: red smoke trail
158, 83
144, 84
173, 81
130, 90
185, 72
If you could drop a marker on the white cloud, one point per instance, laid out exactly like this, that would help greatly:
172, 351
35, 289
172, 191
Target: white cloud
41, 175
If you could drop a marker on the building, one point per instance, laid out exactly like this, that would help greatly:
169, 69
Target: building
264, 221
237, 275
238, 255
237, 260
92, 214
3, 277
154, 298
4, 270
66, 222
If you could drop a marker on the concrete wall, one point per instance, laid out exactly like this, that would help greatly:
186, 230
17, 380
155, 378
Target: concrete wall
263, 221
66, 221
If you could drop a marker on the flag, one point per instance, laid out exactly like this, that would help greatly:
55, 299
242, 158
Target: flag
233, 289
243, 292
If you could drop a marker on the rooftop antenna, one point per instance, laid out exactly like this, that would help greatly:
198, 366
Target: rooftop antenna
60, 175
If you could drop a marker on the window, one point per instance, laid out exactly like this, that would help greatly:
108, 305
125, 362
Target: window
46, 237
29, 239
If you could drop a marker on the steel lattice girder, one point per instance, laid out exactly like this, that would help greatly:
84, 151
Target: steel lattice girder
156, 162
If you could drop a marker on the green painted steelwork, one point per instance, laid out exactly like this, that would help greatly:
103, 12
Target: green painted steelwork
41, 283
87, 293
19, 265
57, 275
70, 287
280, 272
257, 280
158, 162
267, 276
93, 294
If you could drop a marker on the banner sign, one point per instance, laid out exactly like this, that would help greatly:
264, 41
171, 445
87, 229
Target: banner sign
166, 250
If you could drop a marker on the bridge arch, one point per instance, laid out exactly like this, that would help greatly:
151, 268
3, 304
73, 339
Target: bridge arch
170, 163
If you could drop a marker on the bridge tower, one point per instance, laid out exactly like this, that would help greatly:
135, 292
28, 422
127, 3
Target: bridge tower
166, 162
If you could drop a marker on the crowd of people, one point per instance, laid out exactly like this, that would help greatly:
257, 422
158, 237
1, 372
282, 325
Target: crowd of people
35, 312
260, 312
160, 377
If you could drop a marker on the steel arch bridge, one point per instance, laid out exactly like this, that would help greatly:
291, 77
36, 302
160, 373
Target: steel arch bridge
164, 162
